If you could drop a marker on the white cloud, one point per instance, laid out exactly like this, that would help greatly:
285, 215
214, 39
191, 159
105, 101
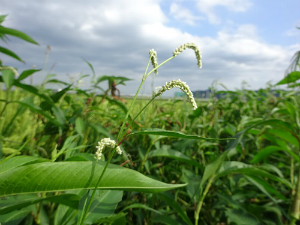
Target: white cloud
116, 37
207, 7
183, 14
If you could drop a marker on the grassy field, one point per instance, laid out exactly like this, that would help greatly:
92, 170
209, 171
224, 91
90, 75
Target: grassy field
75, 156
252, 178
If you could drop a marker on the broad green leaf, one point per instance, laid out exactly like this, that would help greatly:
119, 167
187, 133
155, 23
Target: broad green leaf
103, 205
266, 188
172, 134
70, 200
27, 73
285, 135
269, 150
19, 161
60, 176
193, 184
241, 217
16, 33
10, 53
232, 167
174, 155
14, 217
8, 77
290, 78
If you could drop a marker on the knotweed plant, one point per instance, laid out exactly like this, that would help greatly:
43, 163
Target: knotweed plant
107, 143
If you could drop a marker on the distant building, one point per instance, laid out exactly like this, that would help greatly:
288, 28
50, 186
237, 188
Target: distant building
179, 94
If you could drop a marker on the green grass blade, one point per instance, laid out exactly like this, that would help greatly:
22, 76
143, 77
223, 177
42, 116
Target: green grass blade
17, 33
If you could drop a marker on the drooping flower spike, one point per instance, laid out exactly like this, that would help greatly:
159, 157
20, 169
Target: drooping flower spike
153, 57
106, 142
190, 46
179, 84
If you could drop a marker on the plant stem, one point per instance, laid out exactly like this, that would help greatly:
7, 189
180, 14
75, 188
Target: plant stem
295, 212
96, 186
121, 133
200, 203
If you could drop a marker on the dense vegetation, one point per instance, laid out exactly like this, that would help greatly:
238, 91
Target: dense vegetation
233, 160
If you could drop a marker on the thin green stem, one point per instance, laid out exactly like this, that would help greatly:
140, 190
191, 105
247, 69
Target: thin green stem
121, 133
96, 186
200, 203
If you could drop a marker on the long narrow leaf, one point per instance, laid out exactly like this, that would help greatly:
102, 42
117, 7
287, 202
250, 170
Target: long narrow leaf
60, 176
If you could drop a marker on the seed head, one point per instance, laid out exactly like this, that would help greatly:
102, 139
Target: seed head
153, 57
191, 46
179, 84
106, 142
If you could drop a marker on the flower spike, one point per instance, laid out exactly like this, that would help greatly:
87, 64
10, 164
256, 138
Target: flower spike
191, 46
153, 56
179, 84
106, 142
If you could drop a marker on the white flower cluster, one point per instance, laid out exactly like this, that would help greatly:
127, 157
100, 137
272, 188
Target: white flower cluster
179, 84
153, 56
106, 142
191, 46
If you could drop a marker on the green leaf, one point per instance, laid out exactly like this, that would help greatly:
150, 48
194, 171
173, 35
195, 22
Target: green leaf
172, 134
101, 130
2, 18
16, 33
79, 126
59, 115
164, 152
8, 78
10, 53
103, 205
290, 78
60, 176
232, 167
28, 102
269, 150
241, 217
34, 91
166, 197
212, 168
70, 200
141, 206
26, 73
285, 135
14, 217
19, 161
118, 80
266, 188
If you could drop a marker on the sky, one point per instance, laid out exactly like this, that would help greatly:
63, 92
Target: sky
244, 43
